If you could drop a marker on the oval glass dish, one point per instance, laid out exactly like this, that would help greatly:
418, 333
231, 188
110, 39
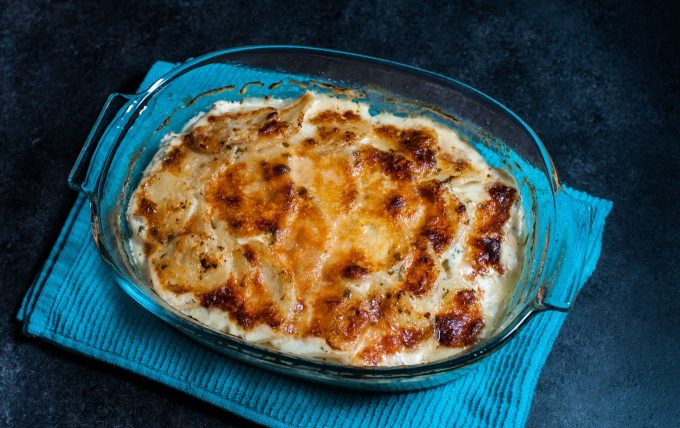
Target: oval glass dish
130, 128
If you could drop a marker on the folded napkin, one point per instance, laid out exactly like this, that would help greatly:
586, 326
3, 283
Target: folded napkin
75, 303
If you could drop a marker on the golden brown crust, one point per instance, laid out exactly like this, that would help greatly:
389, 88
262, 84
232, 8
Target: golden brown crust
246, 301
312, 220
485, 240
253, 198
341, 318
460, 321
391, 343
444, 215
394, 165
337, 129
173, 160
421, 273
420, 145
401, 327
331, 116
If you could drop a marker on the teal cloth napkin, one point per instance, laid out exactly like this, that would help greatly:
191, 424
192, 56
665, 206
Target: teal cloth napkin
75, 303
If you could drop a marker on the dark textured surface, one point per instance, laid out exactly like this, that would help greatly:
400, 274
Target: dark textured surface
599, 82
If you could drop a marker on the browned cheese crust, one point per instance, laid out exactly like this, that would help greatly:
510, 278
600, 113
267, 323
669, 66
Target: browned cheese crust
297, 279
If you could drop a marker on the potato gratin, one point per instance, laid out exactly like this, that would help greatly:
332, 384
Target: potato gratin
312, 227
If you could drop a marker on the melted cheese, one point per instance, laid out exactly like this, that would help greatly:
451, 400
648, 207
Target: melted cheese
318, 229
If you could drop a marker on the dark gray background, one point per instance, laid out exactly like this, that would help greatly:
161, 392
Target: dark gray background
598, 81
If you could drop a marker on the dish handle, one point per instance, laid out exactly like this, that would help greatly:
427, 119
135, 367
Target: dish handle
572, 234
86, 172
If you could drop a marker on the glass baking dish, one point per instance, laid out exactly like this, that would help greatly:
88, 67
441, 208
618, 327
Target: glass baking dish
130, 127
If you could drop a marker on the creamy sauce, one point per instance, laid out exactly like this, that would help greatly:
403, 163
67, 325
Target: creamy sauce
317, 229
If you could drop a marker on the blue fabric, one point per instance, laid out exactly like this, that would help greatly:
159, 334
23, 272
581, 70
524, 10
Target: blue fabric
75, 303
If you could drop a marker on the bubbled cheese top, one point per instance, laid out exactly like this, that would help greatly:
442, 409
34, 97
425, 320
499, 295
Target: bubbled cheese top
315, 228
